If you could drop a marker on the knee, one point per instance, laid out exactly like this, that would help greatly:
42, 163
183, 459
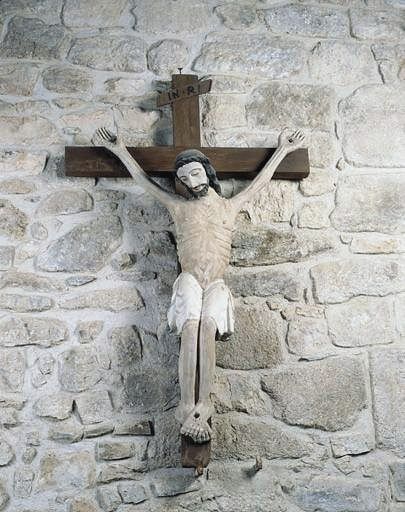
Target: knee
190, 327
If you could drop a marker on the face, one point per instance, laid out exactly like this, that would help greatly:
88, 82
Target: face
194, 177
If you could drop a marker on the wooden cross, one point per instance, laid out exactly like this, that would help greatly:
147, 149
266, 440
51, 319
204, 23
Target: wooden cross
159, 161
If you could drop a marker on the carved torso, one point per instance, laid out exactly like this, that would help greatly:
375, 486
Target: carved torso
204, 235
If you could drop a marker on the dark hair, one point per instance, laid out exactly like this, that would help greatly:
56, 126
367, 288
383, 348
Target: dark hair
193, 155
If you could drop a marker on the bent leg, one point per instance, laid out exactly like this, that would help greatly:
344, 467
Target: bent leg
196, 426
187, 369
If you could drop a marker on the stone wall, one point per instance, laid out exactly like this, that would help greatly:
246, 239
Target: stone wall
313, 381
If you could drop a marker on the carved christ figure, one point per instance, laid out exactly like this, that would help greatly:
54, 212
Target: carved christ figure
201, 309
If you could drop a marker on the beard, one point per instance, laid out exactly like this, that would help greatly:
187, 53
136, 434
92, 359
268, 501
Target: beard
199, 193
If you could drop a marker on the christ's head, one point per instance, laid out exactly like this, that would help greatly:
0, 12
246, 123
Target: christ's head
196, 173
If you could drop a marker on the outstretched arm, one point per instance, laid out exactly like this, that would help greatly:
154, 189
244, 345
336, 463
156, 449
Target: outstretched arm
287, 142
103, 137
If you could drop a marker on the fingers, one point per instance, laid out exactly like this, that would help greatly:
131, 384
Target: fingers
105, 134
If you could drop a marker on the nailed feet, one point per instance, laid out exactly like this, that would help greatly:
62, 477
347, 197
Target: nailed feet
196, 425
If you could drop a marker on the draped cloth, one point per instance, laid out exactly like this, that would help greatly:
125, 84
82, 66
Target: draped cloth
191, 302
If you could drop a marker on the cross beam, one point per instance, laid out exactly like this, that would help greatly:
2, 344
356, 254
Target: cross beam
96, 162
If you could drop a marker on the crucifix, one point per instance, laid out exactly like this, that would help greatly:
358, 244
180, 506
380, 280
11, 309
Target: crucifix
201, 309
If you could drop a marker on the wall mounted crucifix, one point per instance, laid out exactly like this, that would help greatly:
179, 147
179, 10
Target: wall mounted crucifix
201, 309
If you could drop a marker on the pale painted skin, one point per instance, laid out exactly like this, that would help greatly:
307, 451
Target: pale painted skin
204, 234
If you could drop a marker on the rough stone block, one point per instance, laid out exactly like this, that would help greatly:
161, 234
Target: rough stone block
29, 281
114, 450
47, 10
132, 492
6, 452
274, 203
72, 252
338, 281
238, 436
114, 299
25, 303
342, 63
362, 321
146, 391
45, 332
12, 370
307, 337
79, 369
94, 406
352, 444
22, 485
179, 15
223, 111
174, 481
252, 54
372, 24
21, 161
29, 38
124, 87
237, 17
240, 391
57, 406
18, 79
398, 480
13, 222
257, 342
264, 246
81, 13
327, 394
265, 283
83, 504
23, 131
6, 257
126, 470
323, 154
334, 494
387, 381
4, 496
165, 57
16, 186
277, 105
372, 126
63, 470
65, 202
82, 123
134, 428
126, 345
373, 204
8, 417
315, 214
98, 429
108, 498
66, 431
307, 20
377, 244
67, 80
110, 53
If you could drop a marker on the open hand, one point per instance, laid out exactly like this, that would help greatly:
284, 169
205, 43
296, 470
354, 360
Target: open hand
291, 140
104, 137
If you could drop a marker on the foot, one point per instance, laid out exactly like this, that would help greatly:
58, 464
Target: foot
196, 425
183, 411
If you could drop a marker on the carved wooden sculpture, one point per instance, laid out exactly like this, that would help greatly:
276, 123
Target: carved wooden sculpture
201, 306
197, 359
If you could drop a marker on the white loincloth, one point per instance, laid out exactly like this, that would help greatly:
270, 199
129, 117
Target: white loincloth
191, 302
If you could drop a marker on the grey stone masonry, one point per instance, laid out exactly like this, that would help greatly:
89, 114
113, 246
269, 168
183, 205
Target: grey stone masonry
312, 382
